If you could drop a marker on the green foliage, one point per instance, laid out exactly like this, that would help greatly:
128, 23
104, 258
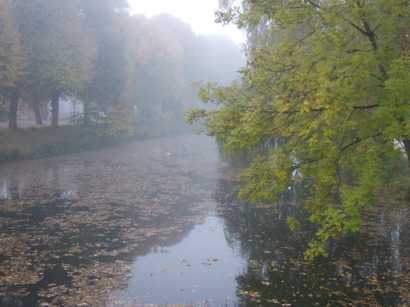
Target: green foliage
111, 30
11, 56
59, 48
331, 80
97, 53
172, 60
293, 223
267, 177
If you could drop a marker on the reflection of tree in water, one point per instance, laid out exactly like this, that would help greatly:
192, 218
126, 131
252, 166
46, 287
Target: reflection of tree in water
70, 232
369, 269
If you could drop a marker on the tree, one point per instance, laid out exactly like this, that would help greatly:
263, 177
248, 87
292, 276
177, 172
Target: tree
38, 100
107, 21
116, 64
11, 59
159, 80
59, 48
171, 60
331, 80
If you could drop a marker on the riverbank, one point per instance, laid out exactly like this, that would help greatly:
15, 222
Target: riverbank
44, 142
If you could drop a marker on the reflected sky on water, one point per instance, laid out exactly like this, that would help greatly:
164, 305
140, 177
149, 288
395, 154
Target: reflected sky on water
158, 222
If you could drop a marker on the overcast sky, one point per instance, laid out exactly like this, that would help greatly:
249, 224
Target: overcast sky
200, 14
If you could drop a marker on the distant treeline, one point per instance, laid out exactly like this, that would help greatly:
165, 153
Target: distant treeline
124, 69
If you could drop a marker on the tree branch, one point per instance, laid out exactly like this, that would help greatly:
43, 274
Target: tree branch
357, 141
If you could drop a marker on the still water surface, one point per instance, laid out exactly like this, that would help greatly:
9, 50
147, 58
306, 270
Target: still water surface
202, 267
158, 222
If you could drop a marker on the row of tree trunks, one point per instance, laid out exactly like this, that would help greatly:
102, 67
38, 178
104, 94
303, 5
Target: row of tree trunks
36, 105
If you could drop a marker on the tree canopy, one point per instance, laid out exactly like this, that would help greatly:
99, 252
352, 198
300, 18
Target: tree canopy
126, 70
330, 80
11, 58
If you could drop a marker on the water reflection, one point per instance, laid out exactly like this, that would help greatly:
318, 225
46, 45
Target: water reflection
159, 222
201, 268
71, 227
370, 269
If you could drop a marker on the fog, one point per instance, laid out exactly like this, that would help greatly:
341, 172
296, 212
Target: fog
294, 193
200, 15
143, 61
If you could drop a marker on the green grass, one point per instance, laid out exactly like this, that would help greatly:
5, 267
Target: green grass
44, 142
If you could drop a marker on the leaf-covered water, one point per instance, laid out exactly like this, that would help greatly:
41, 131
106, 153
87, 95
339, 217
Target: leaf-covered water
157, 222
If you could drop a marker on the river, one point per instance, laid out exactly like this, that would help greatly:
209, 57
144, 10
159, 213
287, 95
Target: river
157, 222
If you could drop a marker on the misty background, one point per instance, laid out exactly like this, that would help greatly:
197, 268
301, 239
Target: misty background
126, 64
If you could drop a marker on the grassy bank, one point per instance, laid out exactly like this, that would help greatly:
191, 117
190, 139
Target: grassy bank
35, 143
44, 142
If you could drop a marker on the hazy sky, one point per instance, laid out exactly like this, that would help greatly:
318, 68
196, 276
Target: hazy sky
198, 13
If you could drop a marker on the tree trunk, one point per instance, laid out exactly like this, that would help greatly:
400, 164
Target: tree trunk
37, 113
407, 147
55, 106
13, 108
44, 111
86, 114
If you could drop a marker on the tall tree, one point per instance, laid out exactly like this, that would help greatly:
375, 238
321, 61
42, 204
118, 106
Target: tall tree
11, 59
330, 79
60, 50
172, 60
106, 19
